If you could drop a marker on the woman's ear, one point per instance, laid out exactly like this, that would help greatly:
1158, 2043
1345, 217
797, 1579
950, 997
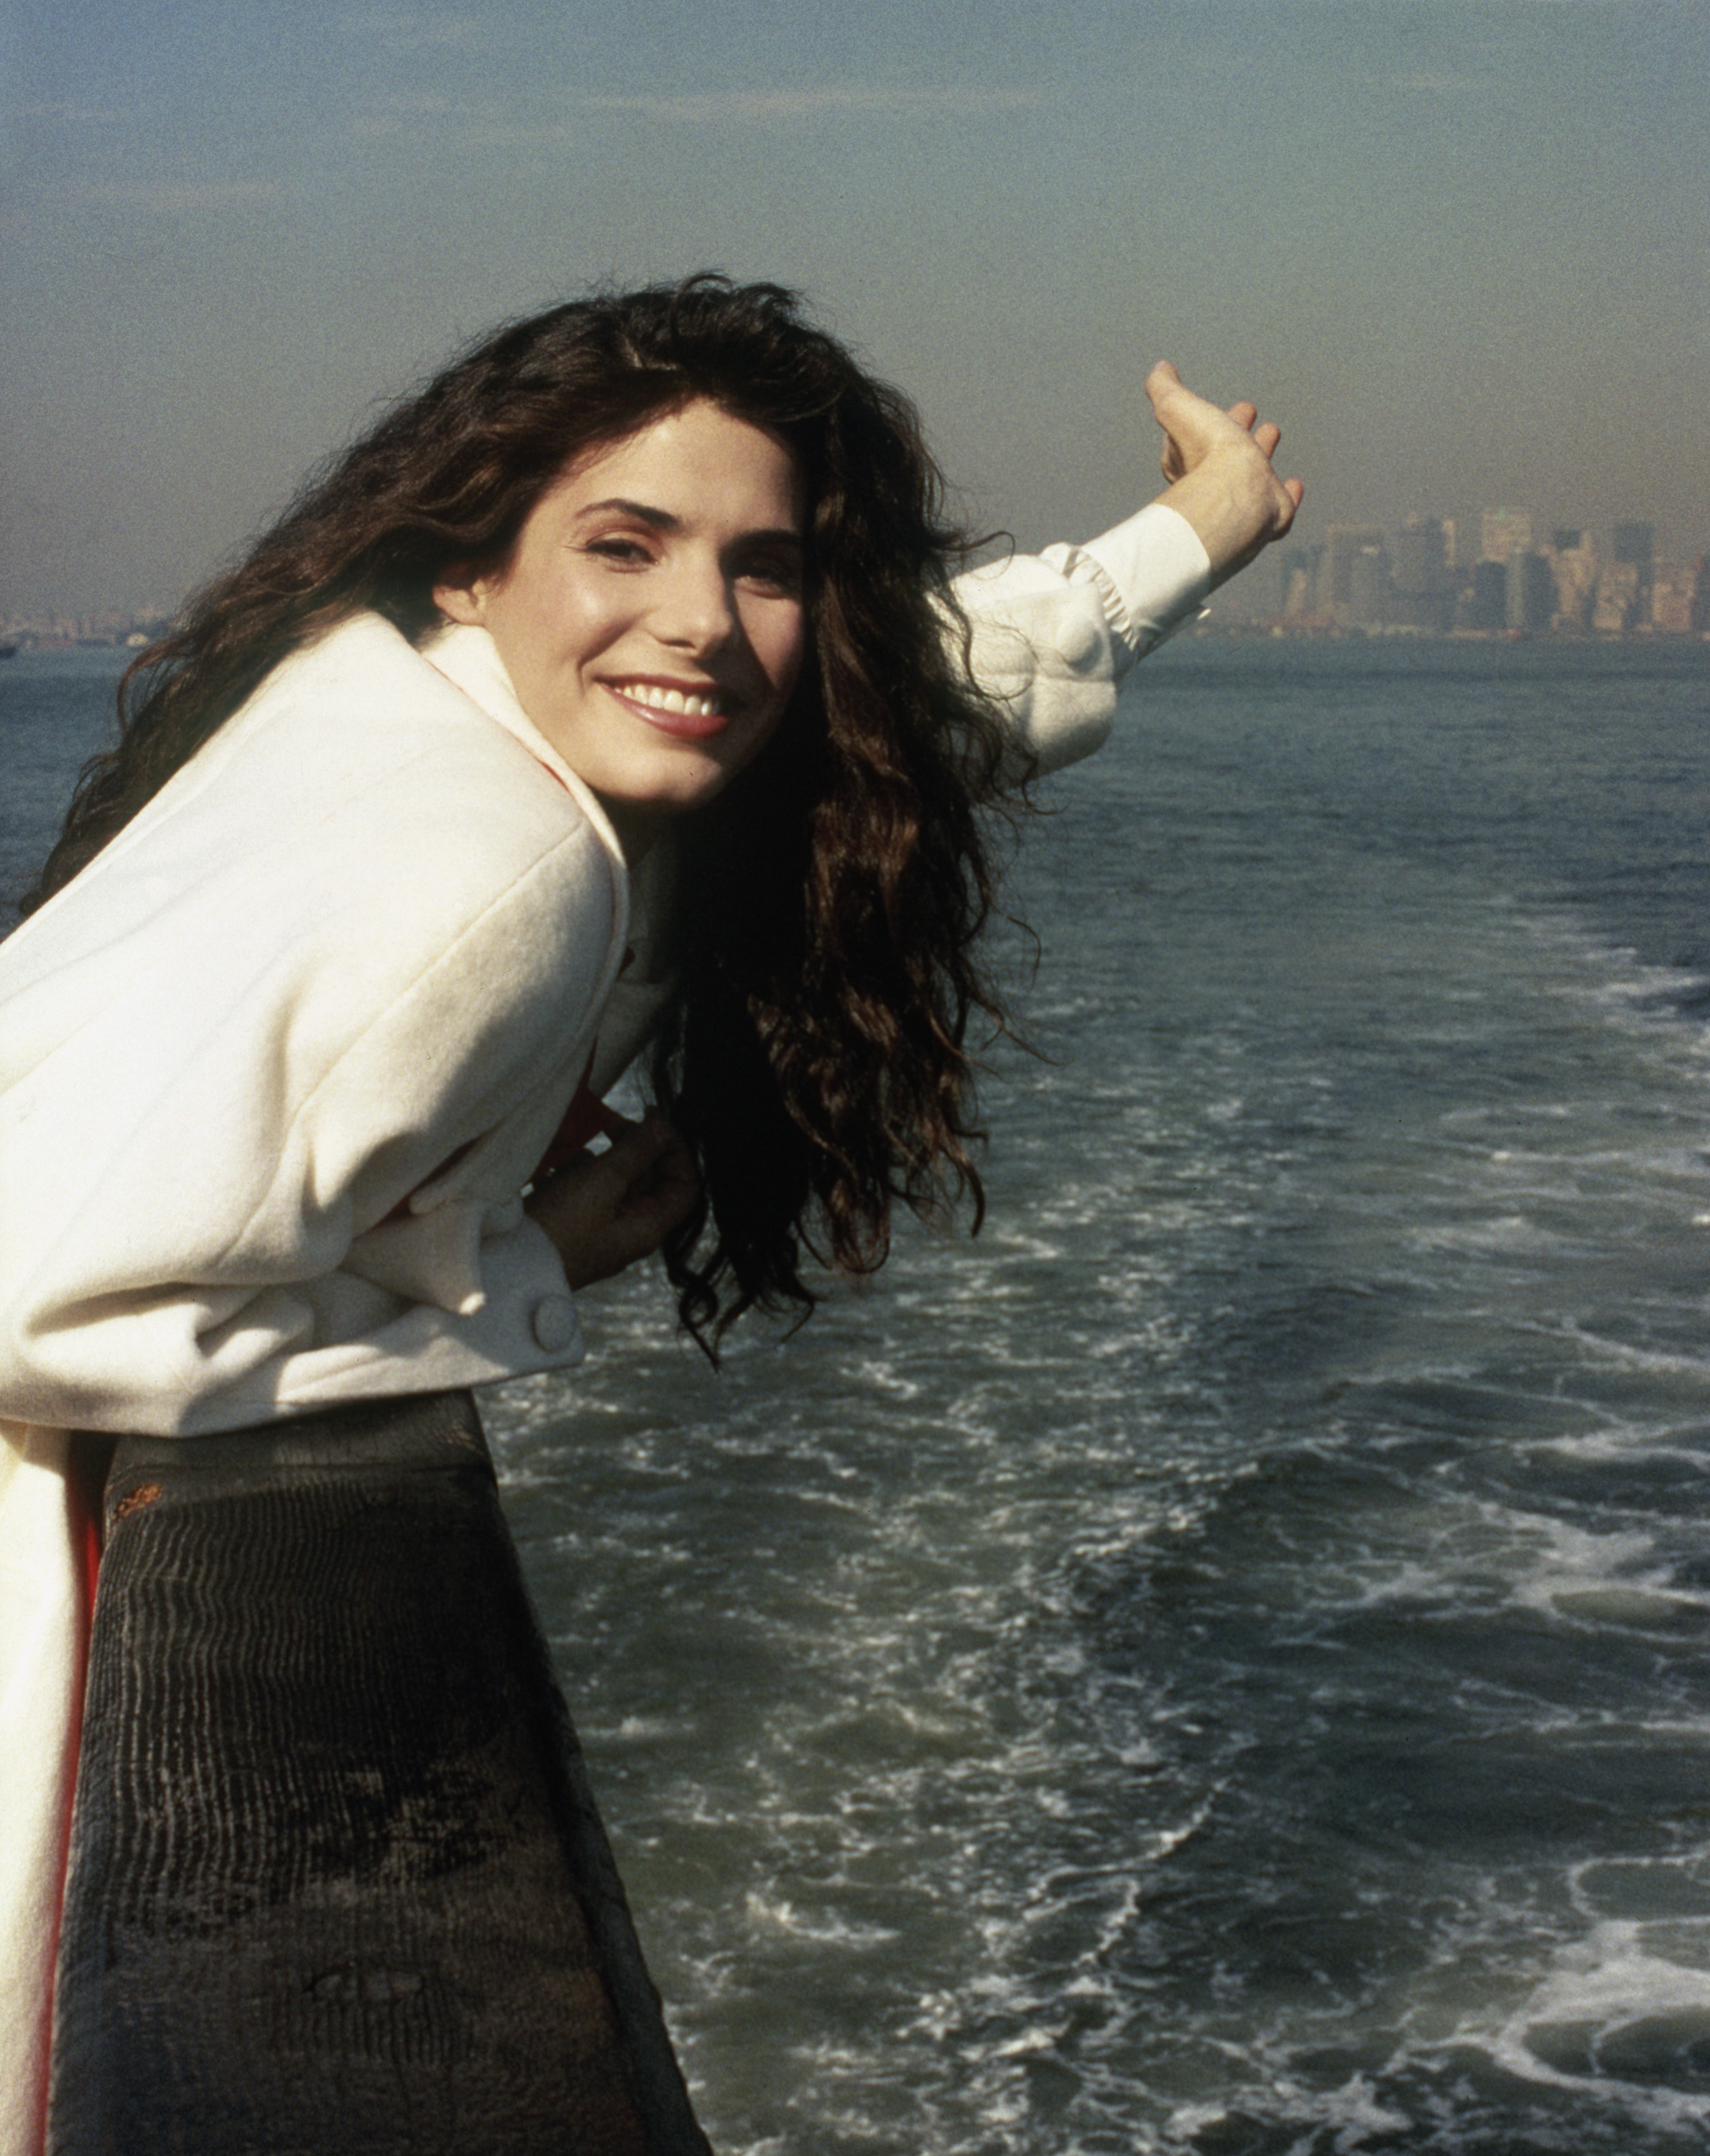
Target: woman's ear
461, 596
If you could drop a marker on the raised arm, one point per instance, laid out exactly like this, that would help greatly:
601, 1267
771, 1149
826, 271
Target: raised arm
1056, 633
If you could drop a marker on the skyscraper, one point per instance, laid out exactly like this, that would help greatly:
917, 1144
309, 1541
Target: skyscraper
1504, 533
1529, 599
1344, 544
1618, 599
1419, 575
1485, 604
1574, 566
1634, 545
1368, 588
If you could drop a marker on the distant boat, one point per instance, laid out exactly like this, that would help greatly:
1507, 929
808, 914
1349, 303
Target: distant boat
8, 650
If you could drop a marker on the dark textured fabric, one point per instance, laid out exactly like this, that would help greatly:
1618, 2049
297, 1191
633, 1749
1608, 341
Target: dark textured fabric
338, 1887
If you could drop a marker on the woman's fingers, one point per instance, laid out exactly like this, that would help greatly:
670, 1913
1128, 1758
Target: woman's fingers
605, 1210
661, 1184
1217, 463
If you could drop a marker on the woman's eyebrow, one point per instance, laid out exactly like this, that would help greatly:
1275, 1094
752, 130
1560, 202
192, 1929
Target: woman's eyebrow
662, 519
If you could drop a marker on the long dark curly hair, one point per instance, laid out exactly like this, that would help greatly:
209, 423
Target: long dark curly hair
816, 1059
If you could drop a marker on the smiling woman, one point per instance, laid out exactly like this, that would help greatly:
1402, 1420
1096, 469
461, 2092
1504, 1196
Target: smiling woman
616, 691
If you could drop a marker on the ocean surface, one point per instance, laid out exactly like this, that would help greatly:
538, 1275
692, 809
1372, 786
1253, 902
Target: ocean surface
1221, 1662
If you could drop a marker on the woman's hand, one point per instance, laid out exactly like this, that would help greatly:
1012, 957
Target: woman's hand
1219, 466
607, 1209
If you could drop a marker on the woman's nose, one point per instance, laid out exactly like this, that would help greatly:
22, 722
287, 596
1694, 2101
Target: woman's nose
697, 611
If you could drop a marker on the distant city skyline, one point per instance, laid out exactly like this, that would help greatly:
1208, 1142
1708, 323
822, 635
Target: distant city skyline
1461, 250
1502, 573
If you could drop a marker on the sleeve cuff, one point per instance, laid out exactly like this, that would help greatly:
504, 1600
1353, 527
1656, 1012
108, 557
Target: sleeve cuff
1151, 572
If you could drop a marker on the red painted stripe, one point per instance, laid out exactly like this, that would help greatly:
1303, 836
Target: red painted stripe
83, 1530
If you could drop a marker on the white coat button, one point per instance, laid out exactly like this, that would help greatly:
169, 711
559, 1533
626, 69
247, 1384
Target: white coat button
553, 1323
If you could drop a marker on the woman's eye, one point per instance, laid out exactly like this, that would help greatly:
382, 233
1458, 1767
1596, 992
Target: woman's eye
772, 575
620, 550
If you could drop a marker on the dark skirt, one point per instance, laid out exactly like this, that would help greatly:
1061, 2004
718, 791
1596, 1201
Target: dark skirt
338, 1887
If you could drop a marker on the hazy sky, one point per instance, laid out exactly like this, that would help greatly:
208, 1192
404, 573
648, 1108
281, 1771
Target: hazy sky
1461, 248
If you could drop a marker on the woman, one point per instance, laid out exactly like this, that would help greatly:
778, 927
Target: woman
613, 689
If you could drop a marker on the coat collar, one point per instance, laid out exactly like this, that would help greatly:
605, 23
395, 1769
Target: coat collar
468, 659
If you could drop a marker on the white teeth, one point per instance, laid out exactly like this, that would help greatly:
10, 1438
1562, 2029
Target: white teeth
658, 699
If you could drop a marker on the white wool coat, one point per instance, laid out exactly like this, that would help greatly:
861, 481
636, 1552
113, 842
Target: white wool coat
275, 1068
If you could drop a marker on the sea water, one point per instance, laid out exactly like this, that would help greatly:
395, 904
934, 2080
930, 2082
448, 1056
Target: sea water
1221, 1661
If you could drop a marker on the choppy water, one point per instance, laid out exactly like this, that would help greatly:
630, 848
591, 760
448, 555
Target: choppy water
1222, 1662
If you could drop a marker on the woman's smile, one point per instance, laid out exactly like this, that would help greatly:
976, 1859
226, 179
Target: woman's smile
690, 711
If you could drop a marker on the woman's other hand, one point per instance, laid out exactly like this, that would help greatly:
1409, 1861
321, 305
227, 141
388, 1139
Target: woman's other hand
1221, 480
607, 1209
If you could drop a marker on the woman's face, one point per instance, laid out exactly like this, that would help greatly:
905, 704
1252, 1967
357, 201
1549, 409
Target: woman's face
652, 616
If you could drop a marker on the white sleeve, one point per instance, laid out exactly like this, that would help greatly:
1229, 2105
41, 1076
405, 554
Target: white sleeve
1054, 634
264, 1151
